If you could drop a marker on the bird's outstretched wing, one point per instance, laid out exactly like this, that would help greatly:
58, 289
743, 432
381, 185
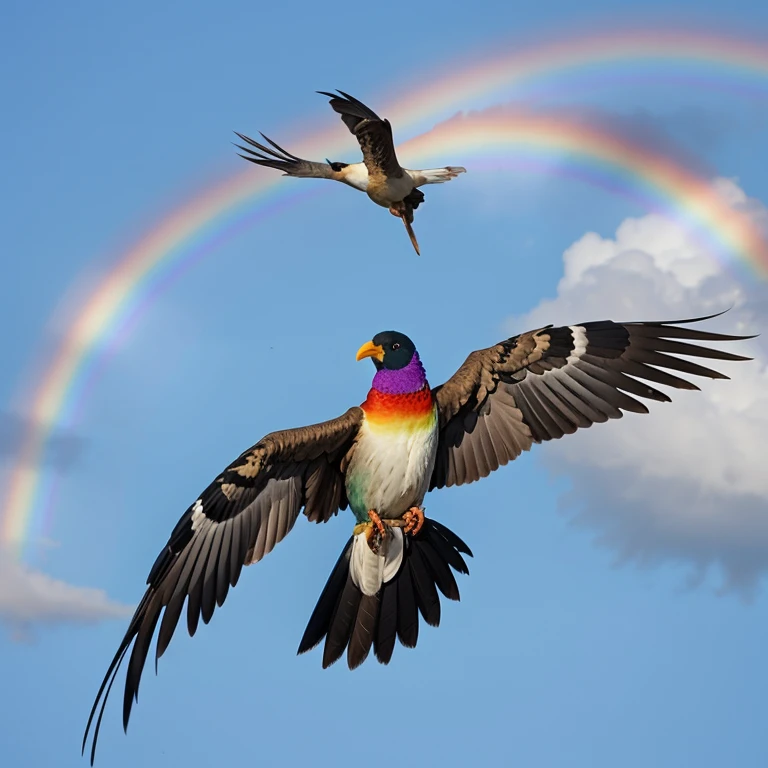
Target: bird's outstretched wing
237, 520
373, 134
284, 161
547, 383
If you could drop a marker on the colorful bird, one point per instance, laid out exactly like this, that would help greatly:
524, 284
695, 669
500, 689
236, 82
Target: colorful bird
380, 459
380, 175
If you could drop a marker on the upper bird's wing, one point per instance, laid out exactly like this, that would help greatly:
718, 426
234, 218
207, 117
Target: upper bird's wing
373, 134
237, 520
547, 383
278, 158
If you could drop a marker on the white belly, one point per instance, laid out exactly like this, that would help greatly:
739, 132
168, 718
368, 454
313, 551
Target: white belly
390, 470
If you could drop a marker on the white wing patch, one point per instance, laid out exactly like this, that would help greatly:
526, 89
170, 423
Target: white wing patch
580, 342
198, 517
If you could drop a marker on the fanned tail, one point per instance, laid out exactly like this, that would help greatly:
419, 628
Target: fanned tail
436, 175
351, 620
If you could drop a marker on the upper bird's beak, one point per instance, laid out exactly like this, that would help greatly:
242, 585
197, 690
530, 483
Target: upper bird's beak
369, 349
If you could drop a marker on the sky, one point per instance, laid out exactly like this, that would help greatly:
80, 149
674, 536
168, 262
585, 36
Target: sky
616, 609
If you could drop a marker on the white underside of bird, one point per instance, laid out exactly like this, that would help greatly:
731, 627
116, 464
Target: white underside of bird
389, 473
392, 190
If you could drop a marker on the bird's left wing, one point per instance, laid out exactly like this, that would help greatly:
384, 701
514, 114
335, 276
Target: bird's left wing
373, 134
237, 520
277, 157
547, 383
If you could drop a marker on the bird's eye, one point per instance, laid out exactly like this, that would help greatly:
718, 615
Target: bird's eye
395, 346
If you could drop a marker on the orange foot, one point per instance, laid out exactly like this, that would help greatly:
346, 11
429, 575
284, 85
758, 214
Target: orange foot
376, 521
397, 211
375, 534
414, 520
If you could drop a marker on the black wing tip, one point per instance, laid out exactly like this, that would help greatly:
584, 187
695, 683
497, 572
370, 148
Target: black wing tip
346, 98
339, 93
249, 159
698, 319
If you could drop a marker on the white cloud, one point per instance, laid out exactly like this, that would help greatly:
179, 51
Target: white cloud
29, 598
688, 482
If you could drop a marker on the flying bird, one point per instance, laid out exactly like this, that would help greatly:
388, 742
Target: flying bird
380, 175
380, 459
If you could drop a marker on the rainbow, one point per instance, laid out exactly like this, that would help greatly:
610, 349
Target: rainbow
692, 198
195, 227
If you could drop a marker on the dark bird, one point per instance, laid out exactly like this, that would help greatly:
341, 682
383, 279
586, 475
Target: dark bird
380, 459
380, 175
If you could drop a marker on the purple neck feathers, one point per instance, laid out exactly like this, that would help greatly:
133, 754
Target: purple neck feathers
403, 381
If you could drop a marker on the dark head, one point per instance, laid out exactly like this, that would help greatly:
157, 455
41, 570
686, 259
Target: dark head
336, 166
390, 350
398, 368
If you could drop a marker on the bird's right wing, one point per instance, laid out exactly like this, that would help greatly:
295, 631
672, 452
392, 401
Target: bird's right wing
549, 382
373, 134
284, 161
237, 520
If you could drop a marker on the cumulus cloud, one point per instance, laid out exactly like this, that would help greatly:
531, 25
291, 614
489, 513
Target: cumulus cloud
30, 598
687, 483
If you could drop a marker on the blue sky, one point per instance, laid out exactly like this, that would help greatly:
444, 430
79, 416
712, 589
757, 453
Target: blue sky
615, 613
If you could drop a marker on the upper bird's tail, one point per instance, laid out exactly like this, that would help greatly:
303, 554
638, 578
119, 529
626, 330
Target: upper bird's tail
350, 619
436, 175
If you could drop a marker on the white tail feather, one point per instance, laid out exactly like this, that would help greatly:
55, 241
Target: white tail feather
370, 570
436, 175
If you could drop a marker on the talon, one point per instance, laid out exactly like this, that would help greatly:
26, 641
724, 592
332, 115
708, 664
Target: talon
376, 521
396, 212
374, 533
414, 520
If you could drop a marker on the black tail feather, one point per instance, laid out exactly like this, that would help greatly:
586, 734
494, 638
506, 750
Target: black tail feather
426, 592
342, 623
386, 632
320, 620
364, 630
407, 609
349, 620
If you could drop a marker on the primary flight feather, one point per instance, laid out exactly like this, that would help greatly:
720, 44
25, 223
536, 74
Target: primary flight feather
380, 459
380, 175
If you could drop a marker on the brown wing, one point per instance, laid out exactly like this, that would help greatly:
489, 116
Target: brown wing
547, 383
373, 134
237, 520
277, 157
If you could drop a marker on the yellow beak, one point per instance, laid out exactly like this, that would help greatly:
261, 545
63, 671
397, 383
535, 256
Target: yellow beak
369, 349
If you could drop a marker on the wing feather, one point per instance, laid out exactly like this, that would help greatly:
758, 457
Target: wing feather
549, 382
278, 158
239, 518
374, 135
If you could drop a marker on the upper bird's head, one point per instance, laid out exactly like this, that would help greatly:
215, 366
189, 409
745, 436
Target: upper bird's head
336, 166
398, 367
